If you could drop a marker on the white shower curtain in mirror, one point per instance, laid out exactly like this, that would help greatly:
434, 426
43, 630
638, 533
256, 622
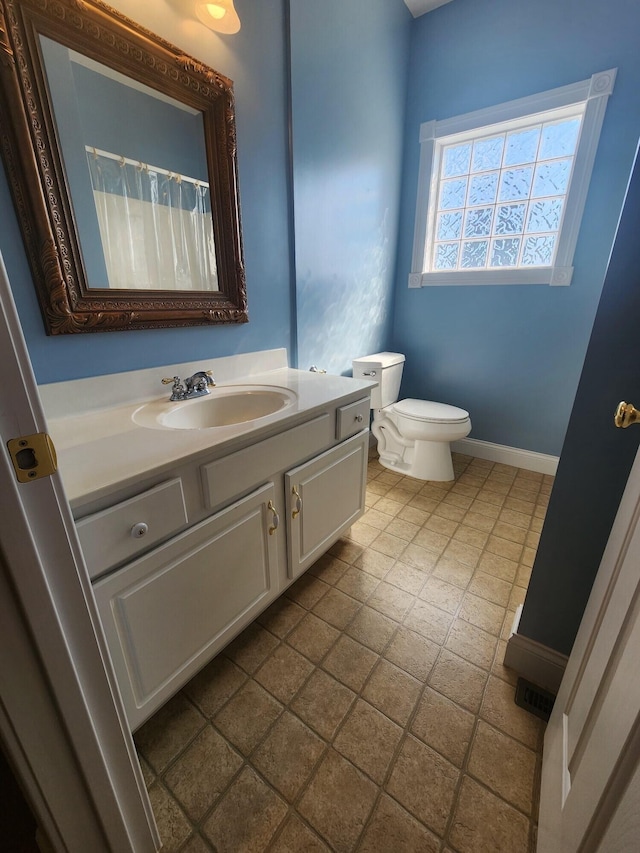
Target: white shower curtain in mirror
156, 226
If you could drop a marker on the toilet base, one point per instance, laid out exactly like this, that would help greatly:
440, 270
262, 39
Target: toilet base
417, 448
426, 460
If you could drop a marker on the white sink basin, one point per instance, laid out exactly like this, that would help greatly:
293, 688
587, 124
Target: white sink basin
224, 406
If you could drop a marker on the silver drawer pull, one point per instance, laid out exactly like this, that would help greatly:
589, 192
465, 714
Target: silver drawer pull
359, 418
296, 494
276, 518
139, 530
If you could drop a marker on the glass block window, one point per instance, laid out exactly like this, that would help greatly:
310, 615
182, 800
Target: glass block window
511, 183
501, 191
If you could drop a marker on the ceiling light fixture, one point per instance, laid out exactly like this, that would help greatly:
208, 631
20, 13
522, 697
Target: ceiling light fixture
220, 16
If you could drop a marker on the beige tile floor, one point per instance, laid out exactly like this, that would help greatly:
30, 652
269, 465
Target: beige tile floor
368, 709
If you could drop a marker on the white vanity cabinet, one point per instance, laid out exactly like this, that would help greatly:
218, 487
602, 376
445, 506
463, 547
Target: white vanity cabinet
167, 613
264, 514
323, 498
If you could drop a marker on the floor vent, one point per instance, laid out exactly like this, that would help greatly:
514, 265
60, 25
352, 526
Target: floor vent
534, 699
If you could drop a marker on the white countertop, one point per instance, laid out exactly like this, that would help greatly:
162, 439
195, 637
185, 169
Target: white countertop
102, 449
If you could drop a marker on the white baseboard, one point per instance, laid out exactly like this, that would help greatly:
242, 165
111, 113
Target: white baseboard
534, 661
528, 459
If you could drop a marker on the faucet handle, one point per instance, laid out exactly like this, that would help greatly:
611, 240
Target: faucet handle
204, 377
169, 380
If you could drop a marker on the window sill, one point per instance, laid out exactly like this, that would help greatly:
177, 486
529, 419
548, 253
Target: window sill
554, 276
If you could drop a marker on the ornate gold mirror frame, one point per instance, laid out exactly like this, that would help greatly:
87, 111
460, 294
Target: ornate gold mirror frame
38, 179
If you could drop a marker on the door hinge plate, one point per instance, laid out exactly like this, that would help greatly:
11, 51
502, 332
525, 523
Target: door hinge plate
33, 456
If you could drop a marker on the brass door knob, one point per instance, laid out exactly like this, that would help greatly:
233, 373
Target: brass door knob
626, 414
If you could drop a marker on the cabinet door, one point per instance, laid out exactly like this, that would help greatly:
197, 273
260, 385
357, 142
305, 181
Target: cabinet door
324, 497
168, 613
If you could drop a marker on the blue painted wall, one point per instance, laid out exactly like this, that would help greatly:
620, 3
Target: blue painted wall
349, 86
348, 95
512, 355
255, 60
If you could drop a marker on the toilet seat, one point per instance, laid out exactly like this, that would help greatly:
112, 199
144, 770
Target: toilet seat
426, 410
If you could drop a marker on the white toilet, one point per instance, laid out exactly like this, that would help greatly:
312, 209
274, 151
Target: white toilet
413, 435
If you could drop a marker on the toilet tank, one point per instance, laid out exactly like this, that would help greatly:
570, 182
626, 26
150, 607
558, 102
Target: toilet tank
386, 369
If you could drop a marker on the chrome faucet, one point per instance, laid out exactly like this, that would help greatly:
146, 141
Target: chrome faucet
193, 386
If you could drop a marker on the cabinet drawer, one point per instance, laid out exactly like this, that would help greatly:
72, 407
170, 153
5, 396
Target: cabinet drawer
352, 418
126, 529
238, 472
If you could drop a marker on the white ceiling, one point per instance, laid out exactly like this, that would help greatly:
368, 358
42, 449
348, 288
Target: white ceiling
420, 7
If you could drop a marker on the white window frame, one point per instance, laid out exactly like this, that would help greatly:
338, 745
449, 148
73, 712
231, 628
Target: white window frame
592, 96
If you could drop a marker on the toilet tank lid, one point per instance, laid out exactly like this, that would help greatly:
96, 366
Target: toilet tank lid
426, 410
381, 359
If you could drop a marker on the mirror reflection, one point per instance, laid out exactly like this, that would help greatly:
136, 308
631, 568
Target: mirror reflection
136, 167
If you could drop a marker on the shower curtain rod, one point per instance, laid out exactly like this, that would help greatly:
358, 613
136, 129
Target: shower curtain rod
97, 152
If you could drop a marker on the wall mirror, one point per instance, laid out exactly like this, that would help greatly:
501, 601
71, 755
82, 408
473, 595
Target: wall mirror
120, 151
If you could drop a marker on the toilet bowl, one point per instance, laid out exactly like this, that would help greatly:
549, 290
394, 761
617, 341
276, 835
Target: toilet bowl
413, 435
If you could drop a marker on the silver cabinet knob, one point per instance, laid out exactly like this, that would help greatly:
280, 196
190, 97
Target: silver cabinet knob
139, 530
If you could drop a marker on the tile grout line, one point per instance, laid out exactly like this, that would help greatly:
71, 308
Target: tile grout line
408, 728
